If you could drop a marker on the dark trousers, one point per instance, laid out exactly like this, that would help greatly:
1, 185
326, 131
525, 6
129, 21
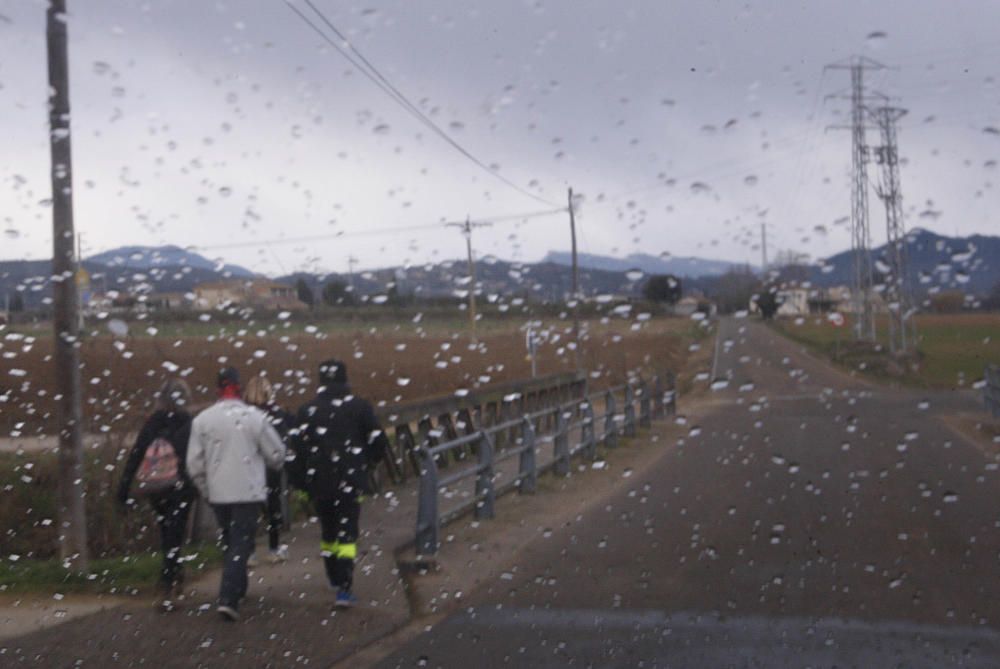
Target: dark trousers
272, 507
238, 523
338, 517
172, 512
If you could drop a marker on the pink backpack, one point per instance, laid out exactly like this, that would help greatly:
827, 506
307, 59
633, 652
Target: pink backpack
159, 470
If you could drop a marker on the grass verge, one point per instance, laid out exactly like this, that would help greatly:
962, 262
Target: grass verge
126, 575
952, 349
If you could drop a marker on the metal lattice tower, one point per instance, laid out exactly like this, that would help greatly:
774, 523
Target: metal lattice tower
861, 289
864, 325
902, 333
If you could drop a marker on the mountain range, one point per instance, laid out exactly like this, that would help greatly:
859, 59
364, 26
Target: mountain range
150, 257
648, 264
970, 264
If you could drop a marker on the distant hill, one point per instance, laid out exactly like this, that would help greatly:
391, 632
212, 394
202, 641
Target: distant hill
648, 264
970, 264
149, 257
543, 281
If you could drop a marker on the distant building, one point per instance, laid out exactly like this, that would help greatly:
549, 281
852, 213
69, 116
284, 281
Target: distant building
252, 293
686, 306
793, 302
167, 302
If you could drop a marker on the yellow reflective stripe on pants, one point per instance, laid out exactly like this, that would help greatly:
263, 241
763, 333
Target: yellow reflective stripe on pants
339, 550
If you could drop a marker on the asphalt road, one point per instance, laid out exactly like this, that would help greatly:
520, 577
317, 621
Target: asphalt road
806, 519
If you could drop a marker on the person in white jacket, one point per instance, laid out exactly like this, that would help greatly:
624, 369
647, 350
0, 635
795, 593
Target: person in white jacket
231, 444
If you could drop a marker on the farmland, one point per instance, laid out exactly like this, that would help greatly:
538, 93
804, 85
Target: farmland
952, 349
389, 362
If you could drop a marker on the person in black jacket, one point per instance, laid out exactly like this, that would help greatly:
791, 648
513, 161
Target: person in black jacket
260, 393
336, 440
172, 422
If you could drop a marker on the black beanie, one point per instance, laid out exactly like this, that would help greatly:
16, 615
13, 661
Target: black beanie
228, 376
332, 371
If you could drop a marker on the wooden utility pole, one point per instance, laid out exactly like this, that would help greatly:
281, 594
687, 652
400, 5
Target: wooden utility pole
575, 297
65, 300
467, 231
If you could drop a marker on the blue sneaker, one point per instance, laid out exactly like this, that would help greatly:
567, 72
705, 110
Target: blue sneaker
345, 599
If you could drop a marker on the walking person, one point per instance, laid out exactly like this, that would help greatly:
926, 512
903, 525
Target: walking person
260, 394
157, 464
336, 440
231, 444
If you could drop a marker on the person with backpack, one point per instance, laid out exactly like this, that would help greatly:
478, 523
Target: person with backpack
337, 440
260, 394
231, 445
156, 465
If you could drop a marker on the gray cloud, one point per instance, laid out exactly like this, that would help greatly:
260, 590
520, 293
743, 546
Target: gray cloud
204, 123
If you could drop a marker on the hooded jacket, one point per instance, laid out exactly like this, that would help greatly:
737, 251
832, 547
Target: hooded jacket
175, 427
231, 445
336, 439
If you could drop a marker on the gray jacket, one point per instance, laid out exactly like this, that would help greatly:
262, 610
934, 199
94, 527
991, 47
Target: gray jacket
231, 444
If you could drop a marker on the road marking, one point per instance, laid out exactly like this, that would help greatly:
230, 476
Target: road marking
767, 626
715, 357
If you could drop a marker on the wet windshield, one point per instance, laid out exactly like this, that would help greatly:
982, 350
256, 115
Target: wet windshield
530, 333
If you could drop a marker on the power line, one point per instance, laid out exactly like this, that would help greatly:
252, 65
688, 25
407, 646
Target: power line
507, 218
315, 238
372, 73
728, 167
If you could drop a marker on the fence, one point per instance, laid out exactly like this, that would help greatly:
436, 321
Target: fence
991, 390
571, 428
428, 422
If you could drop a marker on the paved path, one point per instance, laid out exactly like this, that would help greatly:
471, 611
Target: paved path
287, 620
809, 519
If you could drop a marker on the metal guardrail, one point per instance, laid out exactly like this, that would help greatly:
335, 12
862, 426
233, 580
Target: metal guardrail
523, 435
991, 390
429, 422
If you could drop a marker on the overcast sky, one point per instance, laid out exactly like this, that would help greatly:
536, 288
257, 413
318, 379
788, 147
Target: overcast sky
683, 125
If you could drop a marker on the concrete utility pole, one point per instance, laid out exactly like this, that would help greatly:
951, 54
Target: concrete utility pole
763, 249
575, 296
65, 300
467, 231
864, 324
902, 330
351, 261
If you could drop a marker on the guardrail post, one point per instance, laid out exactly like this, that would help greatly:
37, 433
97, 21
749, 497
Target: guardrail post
588, 437
407, 449
610, 429
672, 393
629, 411
427, 438
561, 443
485, 493
428, 520
466, 422
644, 405
527, 471
659, 406
991, 389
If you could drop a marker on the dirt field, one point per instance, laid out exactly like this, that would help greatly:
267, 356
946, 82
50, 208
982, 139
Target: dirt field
389, 363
